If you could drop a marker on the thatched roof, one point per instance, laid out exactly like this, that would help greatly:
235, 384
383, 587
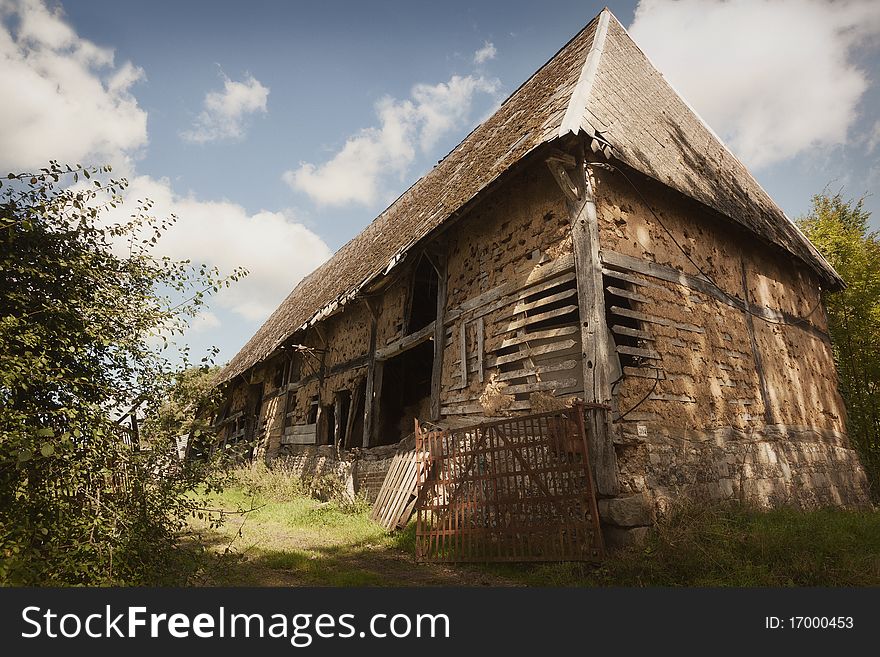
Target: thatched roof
601, 83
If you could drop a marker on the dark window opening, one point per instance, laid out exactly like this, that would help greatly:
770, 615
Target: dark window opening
342, 404
278, 375
294, 369
355, 437
405, 394
312, 415
327, 432
423, 305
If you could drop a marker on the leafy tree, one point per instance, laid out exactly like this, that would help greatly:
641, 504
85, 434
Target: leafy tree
86, 311
839, 229
191, 402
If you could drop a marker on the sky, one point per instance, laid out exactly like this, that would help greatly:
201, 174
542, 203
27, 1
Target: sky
275, 131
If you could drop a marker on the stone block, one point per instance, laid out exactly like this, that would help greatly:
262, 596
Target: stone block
619, 537
629, 511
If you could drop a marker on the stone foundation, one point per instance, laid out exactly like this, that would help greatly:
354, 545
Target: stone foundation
778, 466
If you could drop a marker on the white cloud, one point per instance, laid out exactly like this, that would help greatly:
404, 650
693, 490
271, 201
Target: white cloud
225, 112
68, 101
772, 77
485, 53
275, 249
204, 321
356, 173
65, 97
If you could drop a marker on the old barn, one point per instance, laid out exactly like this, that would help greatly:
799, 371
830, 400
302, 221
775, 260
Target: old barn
591, 240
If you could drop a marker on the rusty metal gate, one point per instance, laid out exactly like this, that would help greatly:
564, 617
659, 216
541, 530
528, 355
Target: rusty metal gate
519, 489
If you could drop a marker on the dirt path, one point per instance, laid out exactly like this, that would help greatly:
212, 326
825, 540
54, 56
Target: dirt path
305, 543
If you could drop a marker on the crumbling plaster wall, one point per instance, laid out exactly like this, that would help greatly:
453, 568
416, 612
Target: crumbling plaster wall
703, 425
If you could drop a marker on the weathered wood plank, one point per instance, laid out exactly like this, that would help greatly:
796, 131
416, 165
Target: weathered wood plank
629, 278
406, 342
537, 335
644, 372
522, 354
595, 355
540, 386
549, 284
636, 351
627, 294
462, 336
471, 409
439, 337
480, 347
538, 369
301, 429
562, 265
370, 395
662, 321
538, 303
534, 319
300, 435
631, 332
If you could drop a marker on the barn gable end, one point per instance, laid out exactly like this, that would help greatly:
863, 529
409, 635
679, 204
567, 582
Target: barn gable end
591, 240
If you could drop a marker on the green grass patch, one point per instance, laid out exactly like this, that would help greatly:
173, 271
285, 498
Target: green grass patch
277, 534
728, 545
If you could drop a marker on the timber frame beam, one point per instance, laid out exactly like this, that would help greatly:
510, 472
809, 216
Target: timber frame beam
439, 262
576, 183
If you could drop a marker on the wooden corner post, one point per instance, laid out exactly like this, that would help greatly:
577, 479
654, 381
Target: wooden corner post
581, 203
369, 392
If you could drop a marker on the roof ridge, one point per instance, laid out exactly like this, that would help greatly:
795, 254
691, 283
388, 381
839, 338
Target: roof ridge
580, 96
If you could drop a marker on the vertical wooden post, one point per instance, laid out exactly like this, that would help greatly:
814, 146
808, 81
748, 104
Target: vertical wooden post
369, 412
378, 373
594, 342
439, 338
463, 353
480, 347
338, 421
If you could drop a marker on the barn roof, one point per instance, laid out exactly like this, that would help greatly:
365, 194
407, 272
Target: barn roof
600, 83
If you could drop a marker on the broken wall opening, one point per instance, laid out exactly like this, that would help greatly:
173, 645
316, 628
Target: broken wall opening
405, 393
423, 301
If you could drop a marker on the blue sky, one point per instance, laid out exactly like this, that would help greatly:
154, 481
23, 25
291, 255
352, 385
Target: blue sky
277, 130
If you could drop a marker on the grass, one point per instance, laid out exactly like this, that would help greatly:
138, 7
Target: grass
292, 539
288, 538
726, 545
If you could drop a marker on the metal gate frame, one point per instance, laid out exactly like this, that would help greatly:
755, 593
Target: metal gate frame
517, 489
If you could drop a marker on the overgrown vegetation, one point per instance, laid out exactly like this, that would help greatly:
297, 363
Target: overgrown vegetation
293, 539
734, 545
85, 311
839, 229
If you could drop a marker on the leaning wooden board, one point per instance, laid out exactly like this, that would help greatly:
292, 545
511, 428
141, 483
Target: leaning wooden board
397, 497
